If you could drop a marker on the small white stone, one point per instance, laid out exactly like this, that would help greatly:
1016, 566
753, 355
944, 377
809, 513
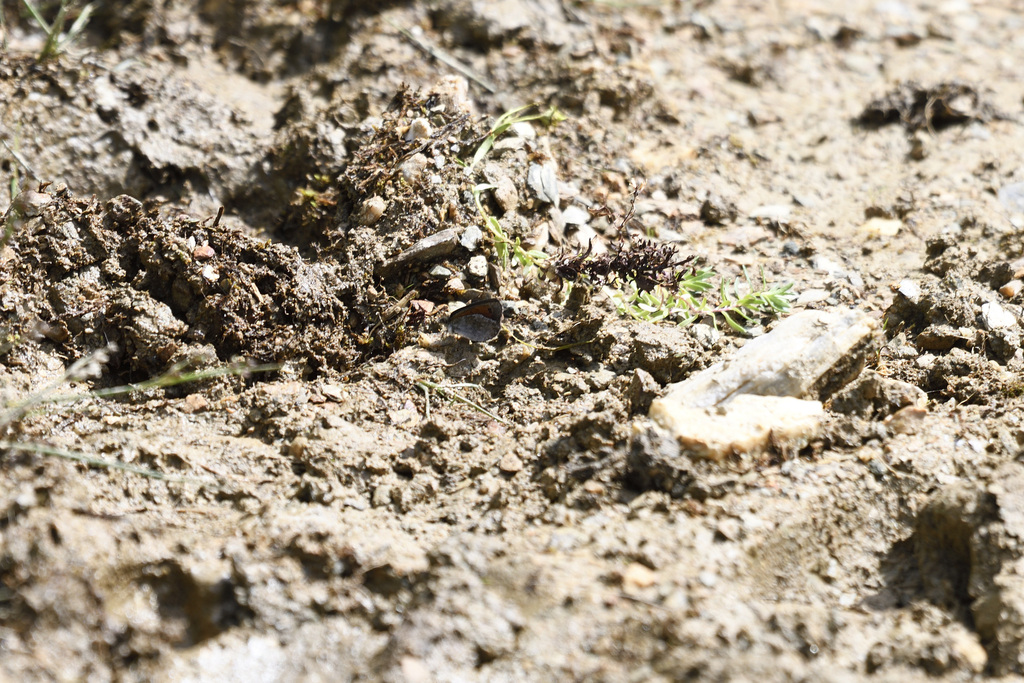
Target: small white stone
477, 267
575, 215
525, 130
543, 180
910, 289
371, 211
812, 296
773, 212
995, 317
412, 168
828, 265
746, 424
419, 129
882, 227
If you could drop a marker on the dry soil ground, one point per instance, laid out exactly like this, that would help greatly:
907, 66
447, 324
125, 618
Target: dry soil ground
344, 517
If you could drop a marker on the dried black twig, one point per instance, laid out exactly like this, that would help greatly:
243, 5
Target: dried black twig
640, 261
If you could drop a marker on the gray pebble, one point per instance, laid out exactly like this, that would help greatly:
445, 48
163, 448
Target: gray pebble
505, 194
543, 180
1012, 197
471, 238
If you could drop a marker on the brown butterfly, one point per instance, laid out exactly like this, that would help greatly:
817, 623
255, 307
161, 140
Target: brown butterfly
478, 320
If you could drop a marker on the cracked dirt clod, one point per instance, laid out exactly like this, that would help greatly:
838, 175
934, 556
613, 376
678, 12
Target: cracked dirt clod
123, 275
917, 107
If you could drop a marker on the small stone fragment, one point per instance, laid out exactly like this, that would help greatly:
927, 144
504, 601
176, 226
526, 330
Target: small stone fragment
505, 194
453, 95
1004, 343
428, 249
811, 353
1011, 288
812, 296
940, 338
575, 215
637, 575
1012, 197
477, 268
371, 211
203, 253
332, 392
918, 146
708, 579
654, 462
716, 211
706, 335
874, 396
421, 306
525, 130
906, 420
195, 403
471, 238
381, 496
419, 129
772, 212
543, 180
968, 650
882, 227
910, 289
28, 204
413, 167
753, 400
745, 424
641, 391
994, 317
510, 463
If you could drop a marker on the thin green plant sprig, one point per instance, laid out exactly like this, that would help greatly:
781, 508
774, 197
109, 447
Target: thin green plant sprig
91, 366
692, 300
179, 373
506, 248
452, 395
57, 41
510, 118
649, 280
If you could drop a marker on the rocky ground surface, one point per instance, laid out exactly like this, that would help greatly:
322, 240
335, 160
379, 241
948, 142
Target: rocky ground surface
262, 213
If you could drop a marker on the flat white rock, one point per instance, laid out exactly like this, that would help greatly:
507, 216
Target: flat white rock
746, 424
757, 397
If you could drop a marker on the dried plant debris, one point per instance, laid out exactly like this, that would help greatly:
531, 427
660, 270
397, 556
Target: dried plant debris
628, 260
403, 188
638, 260
917, 107
652, 282
401, 183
